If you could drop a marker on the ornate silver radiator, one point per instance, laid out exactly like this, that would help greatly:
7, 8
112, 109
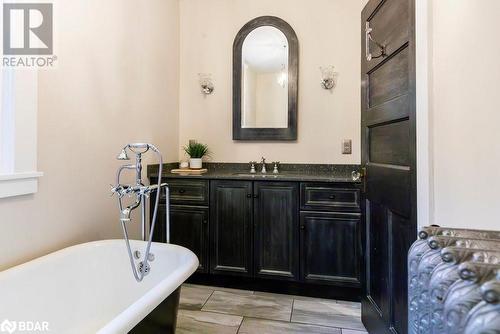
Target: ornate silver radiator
453, 281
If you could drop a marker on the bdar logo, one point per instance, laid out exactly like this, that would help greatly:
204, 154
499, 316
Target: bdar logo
27, 29
8, 326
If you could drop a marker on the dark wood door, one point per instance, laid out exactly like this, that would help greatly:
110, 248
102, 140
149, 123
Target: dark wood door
388, 154
189, 228
330, 248
231, 227
276, 232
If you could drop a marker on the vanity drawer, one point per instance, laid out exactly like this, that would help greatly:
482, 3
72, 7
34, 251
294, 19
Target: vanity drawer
188, 192
328, 197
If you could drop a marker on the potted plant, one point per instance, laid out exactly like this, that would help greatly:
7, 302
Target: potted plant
196, 152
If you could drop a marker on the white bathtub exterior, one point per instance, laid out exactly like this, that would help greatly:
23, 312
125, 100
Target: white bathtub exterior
89, 288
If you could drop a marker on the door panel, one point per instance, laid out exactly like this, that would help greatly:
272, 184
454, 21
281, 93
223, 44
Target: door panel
389, 80
388, 154
189, 228
389, 20
389, 185
231, 228
389, 143
276, 230
379, 289
329, 246
387, 112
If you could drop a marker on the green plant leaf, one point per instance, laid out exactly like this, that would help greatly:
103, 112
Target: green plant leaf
196, 150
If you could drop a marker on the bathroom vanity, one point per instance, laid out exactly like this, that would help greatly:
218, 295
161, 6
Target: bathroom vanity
295, 232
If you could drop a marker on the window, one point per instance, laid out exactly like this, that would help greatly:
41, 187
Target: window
18, 133
6, 124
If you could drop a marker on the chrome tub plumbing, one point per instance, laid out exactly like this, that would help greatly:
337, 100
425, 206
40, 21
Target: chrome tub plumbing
140, 193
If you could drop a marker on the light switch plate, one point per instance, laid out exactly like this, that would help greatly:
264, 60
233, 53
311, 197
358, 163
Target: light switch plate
347, 146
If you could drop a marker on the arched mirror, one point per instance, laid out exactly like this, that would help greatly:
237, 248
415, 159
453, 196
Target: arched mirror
265, 74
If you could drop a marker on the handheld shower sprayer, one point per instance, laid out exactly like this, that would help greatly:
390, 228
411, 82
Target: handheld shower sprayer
141, 193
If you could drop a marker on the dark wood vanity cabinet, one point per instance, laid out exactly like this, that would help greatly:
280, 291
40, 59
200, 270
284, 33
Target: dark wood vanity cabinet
189, 218
276, 230
325, 197
329, 248
189, 228
188, 192
330, 236
254, 229
301, 232
231, 227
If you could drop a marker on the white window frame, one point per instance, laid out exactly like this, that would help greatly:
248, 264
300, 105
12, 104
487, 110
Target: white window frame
18, 133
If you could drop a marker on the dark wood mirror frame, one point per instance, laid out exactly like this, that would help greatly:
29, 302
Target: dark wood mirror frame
266, 134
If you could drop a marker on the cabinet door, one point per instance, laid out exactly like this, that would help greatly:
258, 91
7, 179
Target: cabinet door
276, 230
330, 248
231, 228
189, 228
159, 232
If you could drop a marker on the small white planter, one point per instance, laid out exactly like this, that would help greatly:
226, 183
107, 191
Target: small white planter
195, 163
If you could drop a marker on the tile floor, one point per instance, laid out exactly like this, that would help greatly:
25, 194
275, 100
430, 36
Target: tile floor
213, 310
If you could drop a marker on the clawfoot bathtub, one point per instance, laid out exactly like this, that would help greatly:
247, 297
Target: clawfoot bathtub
89, 288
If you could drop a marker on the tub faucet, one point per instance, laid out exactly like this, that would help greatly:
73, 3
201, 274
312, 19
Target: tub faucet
140, 192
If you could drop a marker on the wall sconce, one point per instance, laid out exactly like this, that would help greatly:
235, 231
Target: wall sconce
206, 83
327, 77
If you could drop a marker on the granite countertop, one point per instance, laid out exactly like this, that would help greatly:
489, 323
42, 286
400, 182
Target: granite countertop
288, 172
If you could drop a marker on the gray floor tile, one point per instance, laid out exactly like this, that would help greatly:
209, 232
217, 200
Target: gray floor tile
212, 288
259, 326
353, 304
194, 297
327, 313
199, 286
237, 291
267, 307
189, 321
352, 331
296, 297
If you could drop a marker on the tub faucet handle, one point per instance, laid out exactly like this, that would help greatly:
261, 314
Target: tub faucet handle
125, 215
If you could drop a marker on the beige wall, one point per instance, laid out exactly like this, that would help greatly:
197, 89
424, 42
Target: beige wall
116, 82
328, 33
464, 113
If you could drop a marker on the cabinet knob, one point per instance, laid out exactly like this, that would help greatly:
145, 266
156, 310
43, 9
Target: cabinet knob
332, 196
256, 196
302, 227
205, 222
182, 191
249, 195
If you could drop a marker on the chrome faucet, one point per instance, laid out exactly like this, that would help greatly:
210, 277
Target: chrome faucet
141, 193
263, 162
252, 167
275, 168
